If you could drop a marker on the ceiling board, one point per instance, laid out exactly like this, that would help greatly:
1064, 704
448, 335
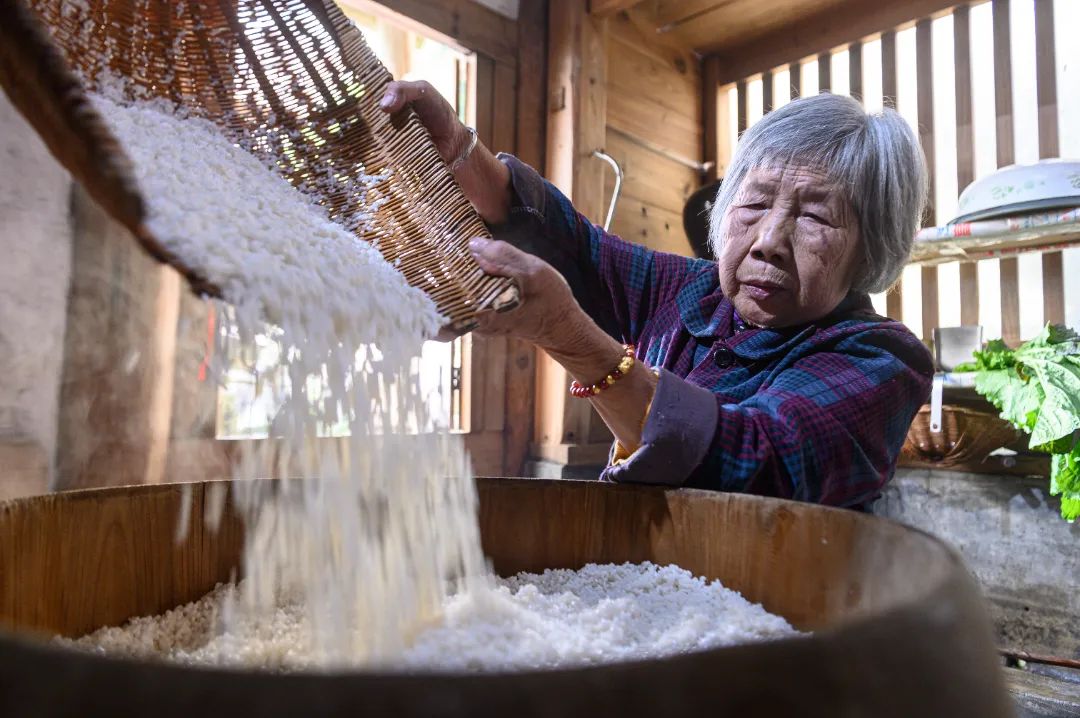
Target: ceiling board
856, 19
709, 25
732, 29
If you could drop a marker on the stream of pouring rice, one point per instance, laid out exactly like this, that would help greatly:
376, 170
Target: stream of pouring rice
383, 524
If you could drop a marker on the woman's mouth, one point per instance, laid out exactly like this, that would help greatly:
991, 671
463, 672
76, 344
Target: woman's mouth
761, 289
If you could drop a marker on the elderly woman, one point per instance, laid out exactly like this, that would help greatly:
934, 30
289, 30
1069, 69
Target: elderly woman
765, 372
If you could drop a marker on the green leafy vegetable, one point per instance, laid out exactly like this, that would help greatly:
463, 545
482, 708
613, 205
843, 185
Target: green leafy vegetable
1036, 387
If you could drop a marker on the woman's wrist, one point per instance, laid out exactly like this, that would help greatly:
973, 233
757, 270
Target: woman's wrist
484, 180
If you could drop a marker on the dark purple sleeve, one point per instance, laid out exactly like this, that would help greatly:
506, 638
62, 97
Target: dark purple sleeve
827, 430
617, 283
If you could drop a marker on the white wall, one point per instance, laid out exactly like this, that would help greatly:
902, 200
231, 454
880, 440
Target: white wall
35, 266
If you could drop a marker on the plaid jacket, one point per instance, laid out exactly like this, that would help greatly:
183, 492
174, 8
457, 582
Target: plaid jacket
815, 413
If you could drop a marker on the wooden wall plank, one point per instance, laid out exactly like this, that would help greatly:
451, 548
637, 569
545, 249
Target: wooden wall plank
890, 80
1003, 107
1053, 287
824, 71
1003, 94
894, 300
485, 99
767, 102
924, 73
648, 176
965, 151
656, 73
740, 89
969, 293
1010, 301
711, 118
652, 226
795, 78
655, 130
855, 71
1049, 146
677, 133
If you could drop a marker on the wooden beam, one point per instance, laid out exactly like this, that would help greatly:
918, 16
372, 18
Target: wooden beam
767, 99
794, 77
608, 7
840, 24
1049, 146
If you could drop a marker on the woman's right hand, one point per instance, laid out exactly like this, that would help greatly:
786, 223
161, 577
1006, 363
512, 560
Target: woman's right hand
484, 179
450, 135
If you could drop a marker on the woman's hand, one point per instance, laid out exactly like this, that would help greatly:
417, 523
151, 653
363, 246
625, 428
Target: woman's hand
450, 135
548, 314
483, 178
551, 318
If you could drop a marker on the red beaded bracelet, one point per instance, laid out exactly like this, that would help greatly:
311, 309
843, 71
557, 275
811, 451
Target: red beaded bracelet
579, 390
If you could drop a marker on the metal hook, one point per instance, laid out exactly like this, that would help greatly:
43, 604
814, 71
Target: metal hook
618, 185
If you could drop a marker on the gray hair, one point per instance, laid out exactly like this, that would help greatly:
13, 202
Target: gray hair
876, 157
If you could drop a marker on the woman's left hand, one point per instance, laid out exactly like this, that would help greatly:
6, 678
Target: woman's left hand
548, 314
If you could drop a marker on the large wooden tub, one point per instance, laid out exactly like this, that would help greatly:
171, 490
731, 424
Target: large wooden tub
899, 625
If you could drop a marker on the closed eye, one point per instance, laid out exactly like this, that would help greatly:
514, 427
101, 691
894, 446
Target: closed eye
817, 218
756, 206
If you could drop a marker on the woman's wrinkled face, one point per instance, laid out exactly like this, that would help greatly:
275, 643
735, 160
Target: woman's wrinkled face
790, 246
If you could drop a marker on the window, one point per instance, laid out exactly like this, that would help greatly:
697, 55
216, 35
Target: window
249, 397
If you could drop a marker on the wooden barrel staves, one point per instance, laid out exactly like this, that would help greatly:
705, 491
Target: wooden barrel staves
899, 625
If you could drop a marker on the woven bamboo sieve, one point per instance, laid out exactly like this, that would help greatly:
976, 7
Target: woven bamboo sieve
291, 80
966, 436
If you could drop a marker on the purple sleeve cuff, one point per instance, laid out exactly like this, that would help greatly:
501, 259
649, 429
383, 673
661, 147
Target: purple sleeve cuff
677, 435
529, 191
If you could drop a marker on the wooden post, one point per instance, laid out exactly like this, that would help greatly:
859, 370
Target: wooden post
119, 349
577, 118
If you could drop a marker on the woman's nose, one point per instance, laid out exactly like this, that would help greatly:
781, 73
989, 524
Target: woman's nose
772, 242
